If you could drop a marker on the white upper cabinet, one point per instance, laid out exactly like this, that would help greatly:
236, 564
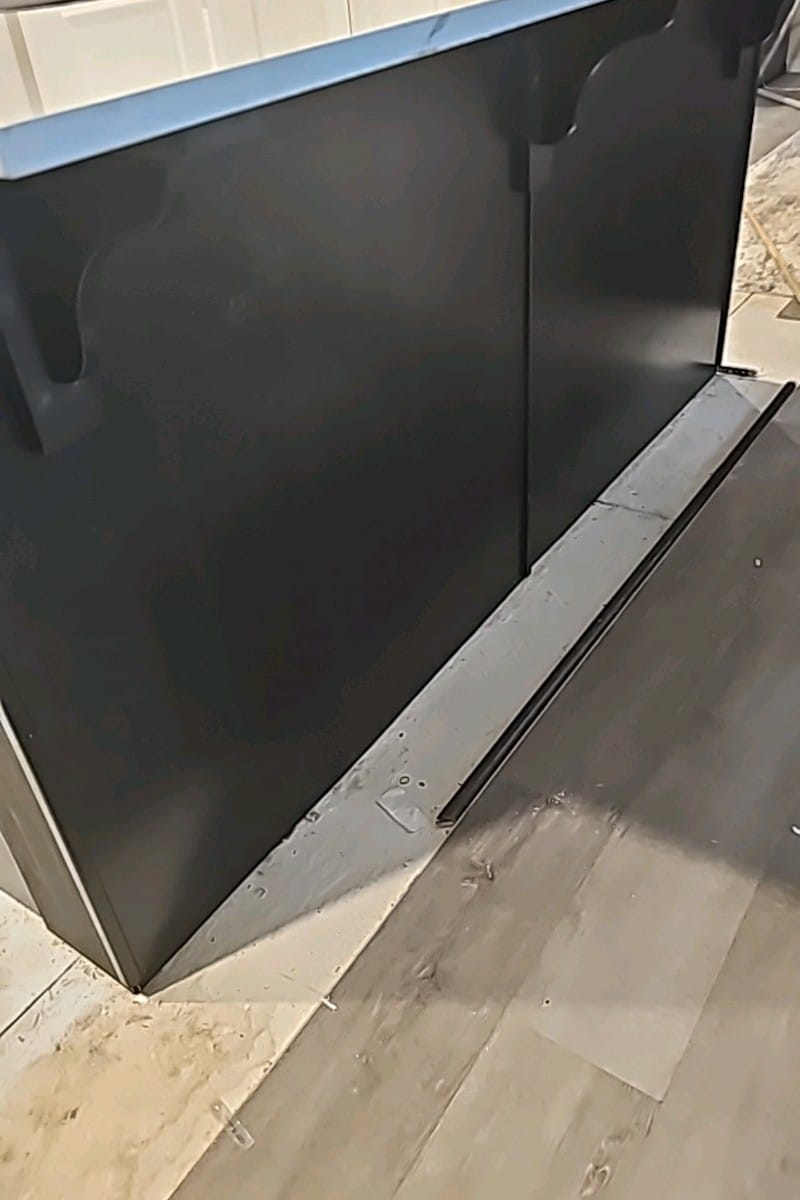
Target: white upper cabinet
375, 14
83, 52
65, 55
285, 25
15, 103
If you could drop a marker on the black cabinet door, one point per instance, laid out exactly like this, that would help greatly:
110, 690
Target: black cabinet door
636, 192
304, 331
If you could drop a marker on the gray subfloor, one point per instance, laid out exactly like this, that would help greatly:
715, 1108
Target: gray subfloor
596, 984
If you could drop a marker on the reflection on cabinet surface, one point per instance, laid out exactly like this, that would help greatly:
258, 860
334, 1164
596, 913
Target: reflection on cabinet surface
15, 104
67, 55
81, 53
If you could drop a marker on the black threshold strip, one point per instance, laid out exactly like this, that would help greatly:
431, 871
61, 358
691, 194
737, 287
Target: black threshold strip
543, 697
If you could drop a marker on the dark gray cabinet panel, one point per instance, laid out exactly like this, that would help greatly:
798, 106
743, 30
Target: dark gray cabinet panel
305, 328
635, 203
289, 400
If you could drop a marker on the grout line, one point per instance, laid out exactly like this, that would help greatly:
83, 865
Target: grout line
39, 995
745, 297
771, 295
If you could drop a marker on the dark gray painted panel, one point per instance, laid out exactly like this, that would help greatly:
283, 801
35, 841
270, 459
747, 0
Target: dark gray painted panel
42, 867
297, 490
264, 398
634, 218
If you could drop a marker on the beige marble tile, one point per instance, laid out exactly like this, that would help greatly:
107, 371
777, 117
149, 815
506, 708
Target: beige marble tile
758, 337
106, 1098
31, 959
738, 298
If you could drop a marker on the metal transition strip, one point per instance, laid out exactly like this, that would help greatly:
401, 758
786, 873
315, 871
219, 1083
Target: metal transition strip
496, 757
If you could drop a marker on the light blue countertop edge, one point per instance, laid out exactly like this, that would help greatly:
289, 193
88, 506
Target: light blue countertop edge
44, 143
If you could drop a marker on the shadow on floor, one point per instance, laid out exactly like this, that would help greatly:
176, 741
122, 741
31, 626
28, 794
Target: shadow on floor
682, 723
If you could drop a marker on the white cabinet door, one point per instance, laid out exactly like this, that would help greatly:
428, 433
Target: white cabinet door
84, 52
375, 14
14, 102
233, 31
285, 25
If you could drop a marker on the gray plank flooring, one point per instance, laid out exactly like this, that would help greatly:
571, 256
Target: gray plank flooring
595, 987
529, 1120
729, 1128
347, 1110
703, 678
